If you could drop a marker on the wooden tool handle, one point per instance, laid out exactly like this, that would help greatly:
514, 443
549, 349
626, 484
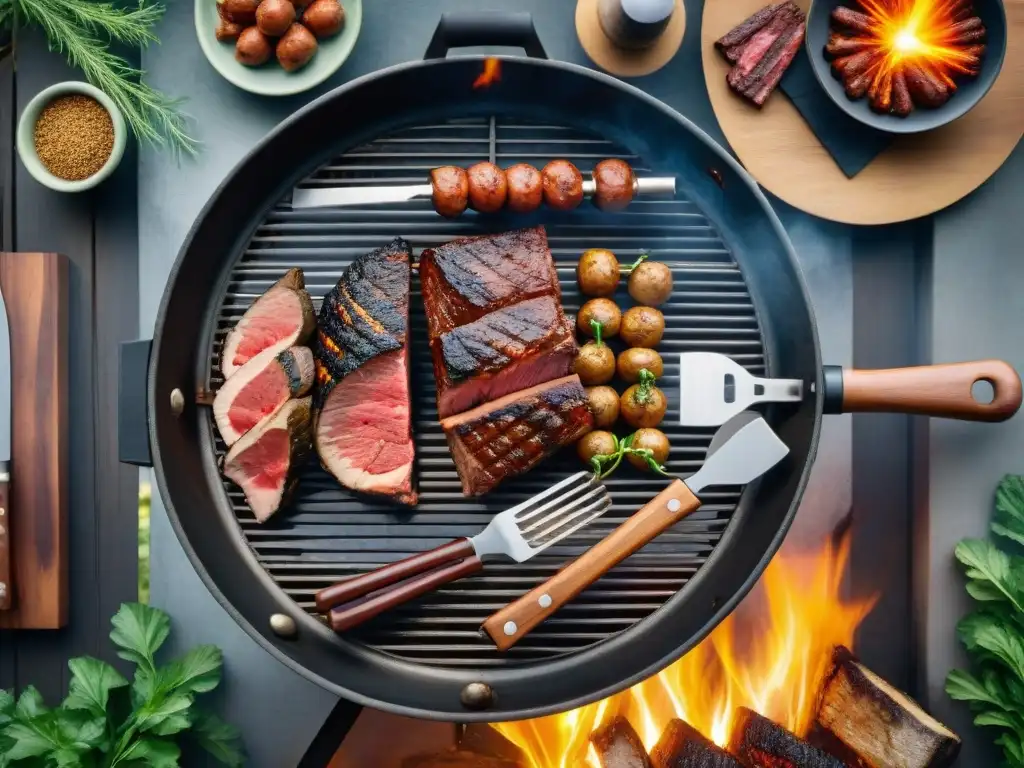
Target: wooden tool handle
514, 621
355, 613
6, 567
935, 390
362, 585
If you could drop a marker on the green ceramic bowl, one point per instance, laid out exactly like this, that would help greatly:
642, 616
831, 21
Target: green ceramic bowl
271, 79
26, 143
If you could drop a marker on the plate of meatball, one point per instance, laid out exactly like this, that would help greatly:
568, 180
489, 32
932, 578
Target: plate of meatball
277, 47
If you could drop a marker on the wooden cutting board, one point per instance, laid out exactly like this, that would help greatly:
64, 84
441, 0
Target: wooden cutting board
35, 288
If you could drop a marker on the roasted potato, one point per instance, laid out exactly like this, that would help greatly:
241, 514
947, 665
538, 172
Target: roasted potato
324, 18
239, 11
603, 311
274, 17
296, 48
642, 326
650, 283
596, 443
598, 272
253, 48
633, 359
595, 364
653, 440
643, 404
604, 403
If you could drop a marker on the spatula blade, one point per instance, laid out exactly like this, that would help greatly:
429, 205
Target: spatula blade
747, 454
702, 389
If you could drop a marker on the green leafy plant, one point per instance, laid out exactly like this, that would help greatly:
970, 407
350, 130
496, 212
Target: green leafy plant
994, 633
107, 721
83, 31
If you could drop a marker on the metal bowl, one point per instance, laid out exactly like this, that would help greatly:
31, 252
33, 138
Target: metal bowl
969, 92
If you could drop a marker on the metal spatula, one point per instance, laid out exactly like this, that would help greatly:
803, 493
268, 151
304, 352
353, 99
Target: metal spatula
714, 388
519, 533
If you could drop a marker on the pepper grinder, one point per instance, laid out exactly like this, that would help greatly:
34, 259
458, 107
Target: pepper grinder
634, 24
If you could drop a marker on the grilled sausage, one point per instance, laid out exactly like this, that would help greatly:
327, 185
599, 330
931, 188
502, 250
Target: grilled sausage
525, 188
487, 187
614, 180
451, 190
563, 185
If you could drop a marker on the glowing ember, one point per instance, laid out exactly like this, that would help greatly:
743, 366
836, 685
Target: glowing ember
768, 656
490, 75
905, 53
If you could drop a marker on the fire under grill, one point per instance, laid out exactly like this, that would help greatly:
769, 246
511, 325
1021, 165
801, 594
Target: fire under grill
327, 533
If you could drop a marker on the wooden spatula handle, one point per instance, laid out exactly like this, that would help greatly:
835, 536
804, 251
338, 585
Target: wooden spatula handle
6, 566
362, 585
935, 390
514, 621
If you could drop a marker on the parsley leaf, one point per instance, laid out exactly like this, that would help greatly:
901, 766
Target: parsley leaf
91, 683
220, 739
139, 631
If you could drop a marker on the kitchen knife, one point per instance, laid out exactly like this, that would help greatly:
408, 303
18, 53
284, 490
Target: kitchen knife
6, 568
338, 197
713, 388
743, 456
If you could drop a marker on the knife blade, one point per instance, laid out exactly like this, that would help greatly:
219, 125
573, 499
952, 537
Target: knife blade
6, 570
742, 456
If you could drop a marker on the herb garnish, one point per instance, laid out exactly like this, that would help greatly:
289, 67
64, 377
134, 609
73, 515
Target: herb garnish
606, 463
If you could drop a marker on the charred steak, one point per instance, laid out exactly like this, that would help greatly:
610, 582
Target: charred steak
282, 317
513, 434
505, 351
259, 388
465, 279
265, 462
364, 426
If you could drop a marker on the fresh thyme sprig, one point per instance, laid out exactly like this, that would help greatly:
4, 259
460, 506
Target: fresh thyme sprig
82, 31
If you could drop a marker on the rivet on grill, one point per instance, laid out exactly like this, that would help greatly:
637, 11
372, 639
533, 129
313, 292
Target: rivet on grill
283, 626
177, 402
477, 696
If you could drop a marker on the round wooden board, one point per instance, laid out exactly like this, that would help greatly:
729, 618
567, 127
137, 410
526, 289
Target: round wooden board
915, 176
620, 62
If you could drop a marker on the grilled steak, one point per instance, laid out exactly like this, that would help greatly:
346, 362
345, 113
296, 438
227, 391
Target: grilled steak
280, 318
513, 434
259, 388
465, 279
265, 462
505, 351
364, 427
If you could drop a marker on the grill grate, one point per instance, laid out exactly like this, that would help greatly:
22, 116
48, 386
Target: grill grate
328, 534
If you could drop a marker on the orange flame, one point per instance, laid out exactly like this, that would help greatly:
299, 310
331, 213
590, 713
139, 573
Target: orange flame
490, 75
769, 659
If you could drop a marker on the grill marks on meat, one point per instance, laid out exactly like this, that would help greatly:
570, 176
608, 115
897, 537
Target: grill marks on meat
508, 350
513, 434
363, 432
265, 462
259, 388
465, 279
282, 317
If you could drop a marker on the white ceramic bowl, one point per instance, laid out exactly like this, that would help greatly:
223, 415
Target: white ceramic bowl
26, 143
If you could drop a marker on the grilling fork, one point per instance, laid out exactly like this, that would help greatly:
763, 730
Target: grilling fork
519, 533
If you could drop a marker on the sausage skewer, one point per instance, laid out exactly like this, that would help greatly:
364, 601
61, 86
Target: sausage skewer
486, 188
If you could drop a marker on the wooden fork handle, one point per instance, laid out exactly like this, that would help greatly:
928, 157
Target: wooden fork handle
349, 615
514, 621
362, 585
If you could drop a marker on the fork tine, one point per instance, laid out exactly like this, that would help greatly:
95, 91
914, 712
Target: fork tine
562, 510
557, 531
554, 490
556, 502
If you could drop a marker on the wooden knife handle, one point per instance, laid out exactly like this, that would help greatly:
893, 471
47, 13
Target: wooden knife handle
352, 614
514, 621
935, 390
6, 564
362, 585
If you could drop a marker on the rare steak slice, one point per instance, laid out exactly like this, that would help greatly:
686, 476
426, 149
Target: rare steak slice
266, 461
515, 433
505, 351
259, 388
282, 317
364, 426
465, 279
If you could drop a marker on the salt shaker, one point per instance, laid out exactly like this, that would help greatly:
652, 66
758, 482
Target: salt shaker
634, 24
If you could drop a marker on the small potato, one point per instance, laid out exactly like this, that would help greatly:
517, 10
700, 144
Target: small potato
296, 48
597, 443
604, 403
324, 18
274, 17
594, 364
228, 31
598, 272
643, 404
650, 283
253, 47
642, 326
603, 311
239, 11
653, 440
632, 360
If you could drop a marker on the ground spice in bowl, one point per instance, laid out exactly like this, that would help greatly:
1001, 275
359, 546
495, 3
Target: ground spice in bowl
74, 137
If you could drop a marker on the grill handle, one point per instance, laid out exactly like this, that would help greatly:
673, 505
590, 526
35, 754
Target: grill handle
473, 28
132, 405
